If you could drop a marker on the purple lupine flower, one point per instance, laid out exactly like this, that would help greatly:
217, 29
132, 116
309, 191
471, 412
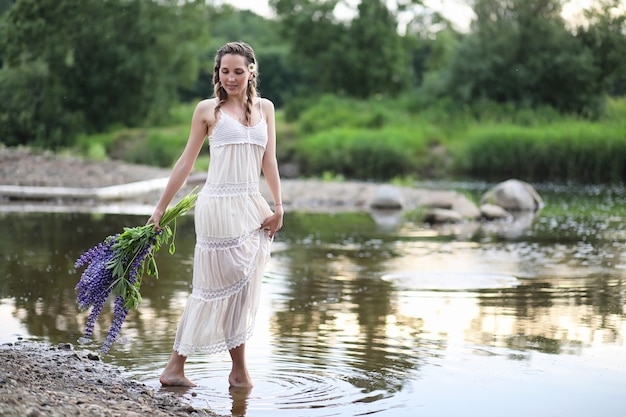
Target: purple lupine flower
120, 311
97, 281
94, 285
96, 252
96, 309
119, 315
116, 265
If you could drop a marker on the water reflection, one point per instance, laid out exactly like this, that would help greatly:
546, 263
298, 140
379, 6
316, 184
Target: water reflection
360, 317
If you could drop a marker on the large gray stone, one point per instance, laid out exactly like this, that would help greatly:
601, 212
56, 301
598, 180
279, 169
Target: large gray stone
439, 215
492, 212
513, 195
450, 200
387, 197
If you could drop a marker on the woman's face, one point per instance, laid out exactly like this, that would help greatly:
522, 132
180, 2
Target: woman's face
234, 74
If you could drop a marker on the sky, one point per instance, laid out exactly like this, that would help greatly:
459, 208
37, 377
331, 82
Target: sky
457, 11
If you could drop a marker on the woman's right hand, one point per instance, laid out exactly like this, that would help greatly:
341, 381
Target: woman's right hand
156, 218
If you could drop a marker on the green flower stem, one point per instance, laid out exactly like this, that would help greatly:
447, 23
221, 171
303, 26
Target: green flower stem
133, 241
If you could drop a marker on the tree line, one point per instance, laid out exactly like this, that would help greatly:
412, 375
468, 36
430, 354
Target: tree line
79, 66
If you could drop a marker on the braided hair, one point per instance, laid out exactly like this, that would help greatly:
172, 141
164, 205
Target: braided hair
237, 48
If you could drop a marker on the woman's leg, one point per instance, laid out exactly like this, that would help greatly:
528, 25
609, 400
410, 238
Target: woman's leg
239, 376
174, 373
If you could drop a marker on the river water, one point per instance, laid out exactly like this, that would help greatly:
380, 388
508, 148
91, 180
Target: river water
364, 318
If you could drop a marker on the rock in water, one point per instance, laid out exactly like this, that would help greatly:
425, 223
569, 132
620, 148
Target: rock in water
513, 195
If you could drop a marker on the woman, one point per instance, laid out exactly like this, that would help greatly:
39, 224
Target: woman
234, 224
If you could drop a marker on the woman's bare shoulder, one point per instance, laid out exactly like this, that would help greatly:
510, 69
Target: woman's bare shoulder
205, 111
208, 104
267, 105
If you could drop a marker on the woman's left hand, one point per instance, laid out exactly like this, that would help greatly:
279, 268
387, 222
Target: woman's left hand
273, 223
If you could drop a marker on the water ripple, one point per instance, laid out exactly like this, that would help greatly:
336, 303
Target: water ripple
321, 392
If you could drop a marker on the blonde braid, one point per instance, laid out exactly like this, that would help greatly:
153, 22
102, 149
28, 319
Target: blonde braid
249, 103
218, 89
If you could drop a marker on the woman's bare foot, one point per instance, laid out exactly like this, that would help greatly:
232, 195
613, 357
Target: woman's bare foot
240, 380
174, 373
239, 376
175, 381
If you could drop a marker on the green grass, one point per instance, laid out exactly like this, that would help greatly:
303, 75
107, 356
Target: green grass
156, 145
383, 139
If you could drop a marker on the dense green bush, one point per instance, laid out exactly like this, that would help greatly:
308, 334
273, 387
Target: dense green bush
31, 109
331, 112
486, 142
116, 62
366, 154
562, 151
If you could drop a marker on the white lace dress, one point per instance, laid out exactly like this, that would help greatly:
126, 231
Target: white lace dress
231, 251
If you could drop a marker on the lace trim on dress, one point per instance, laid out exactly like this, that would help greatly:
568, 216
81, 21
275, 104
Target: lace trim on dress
207, 295
217, 143
229, 131
228, 190
186, 349
208, 243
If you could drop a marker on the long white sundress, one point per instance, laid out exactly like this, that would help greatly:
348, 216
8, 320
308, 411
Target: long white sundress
231, 251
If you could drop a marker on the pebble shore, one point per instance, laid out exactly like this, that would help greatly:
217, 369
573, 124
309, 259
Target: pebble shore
37, 379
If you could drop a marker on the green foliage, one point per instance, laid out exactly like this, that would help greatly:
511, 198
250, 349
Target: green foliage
604, 34
332, 112
157, 146
113, 62
520, 51
562, 151
386, 71
363, 139
279, 76
488, 141
31, 109
363, 153
614, 110
338, 56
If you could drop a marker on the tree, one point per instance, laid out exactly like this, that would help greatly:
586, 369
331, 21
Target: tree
604, 34
316, 40
432, 39
378, 62
115, 61
359, 58
278, 77
520, 51
32, 108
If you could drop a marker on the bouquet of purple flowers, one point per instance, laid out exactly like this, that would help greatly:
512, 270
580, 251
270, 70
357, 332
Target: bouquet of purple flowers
116, 266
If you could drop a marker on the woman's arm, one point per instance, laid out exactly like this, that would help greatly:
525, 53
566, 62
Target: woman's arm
270, 170
201, 123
